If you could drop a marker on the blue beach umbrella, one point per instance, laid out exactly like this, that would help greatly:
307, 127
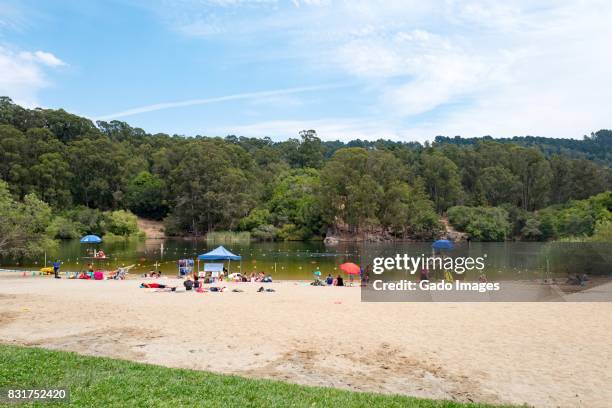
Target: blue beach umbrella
443, 244
91, 239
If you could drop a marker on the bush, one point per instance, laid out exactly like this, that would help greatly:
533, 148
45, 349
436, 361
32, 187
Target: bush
88, 220
481, 223
122, 223
603, 231
265, 232
256, 218
577, 218
292, 232
64, 228
531, 231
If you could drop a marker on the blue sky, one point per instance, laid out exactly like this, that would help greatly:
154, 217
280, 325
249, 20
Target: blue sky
398, 69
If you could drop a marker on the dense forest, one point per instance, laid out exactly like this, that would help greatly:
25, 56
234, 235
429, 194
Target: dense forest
596, 147
302, 188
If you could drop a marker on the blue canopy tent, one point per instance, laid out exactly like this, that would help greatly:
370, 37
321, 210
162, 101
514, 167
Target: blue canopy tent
219, 254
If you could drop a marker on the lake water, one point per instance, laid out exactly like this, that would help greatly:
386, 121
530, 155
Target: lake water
298, 260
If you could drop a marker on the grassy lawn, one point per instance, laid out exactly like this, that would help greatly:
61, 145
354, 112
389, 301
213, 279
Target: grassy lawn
96, 381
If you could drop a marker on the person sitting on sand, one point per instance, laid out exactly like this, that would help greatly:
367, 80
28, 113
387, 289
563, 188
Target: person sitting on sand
339, 281
329, 280
188, 283
317, 282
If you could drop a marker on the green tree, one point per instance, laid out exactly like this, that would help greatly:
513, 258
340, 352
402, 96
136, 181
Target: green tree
214, 186
406, 210
293, 202
52, 179
145, 196
498, 185
534, 173
95, 164
23, 225
442, 181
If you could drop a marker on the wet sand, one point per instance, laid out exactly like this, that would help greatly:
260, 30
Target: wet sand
541, 354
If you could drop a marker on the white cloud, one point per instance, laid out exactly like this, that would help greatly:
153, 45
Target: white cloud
22, 74
42, 57
262, 95
447, 67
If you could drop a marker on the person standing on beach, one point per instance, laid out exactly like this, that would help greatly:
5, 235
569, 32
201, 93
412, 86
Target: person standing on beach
56, 268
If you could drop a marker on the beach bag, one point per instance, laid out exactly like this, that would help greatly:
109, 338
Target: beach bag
188, 285
98, 275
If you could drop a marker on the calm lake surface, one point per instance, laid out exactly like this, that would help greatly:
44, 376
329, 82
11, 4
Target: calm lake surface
298, 260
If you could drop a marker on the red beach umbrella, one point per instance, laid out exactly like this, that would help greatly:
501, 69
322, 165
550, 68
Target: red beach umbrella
350, 268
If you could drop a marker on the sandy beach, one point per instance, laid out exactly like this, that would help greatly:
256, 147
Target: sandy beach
541, 354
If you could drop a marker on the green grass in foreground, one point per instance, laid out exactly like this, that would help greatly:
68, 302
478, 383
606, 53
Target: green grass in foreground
96, 381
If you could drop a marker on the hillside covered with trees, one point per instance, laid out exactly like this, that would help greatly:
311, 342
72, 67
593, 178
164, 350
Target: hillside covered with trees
300, 188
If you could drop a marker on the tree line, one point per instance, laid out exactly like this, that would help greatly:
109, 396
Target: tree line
300, 188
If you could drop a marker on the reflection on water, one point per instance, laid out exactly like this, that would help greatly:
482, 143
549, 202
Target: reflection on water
298, 260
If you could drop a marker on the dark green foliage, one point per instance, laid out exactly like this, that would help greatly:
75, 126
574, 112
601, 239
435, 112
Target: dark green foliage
596, 147
481, 223
298, 188
23, 225
146, 194
576, 218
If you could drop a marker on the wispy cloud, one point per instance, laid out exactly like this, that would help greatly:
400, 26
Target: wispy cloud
205, 101
45, 58
23, 74
478, 67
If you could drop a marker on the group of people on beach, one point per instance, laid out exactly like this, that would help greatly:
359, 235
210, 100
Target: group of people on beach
329, 281
152, 274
